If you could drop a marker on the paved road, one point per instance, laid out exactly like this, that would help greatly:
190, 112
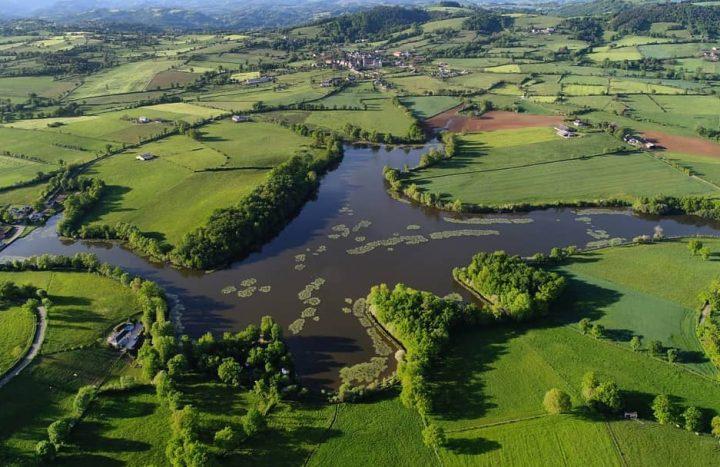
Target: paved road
34, 348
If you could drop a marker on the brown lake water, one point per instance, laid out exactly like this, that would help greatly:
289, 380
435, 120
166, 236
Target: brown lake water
351, 236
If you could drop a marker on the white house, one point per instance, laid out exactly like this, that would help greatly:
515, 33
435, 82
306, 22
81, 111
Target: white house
146, 156
143, 120
240, 118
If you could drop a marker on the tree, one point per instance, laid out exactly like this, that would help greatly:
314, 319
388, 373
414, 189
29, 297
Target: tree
704, 253
227, 438
59, 430
589, 384
635, 343
230, 371
597, 331
149, 360
253, 422
662, 409
695, 245
715, 426
656, 347
608, 396
45, 451
166, 347
693, 419
177, 365
672, 355
84, 397
557, 401
434, 436
584, 325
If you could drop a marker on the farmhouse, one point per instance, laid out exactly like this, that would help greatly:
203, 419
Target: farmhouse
125, 336
240, 118
146, 156
143, 120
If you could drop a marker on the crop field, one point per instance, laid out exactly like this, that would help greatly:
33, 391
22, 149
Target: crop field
18, 325
422, 84
485, 80
673, 50
643, 304
487, 422
615, 54
148, 194
17, 89
388, 118
14, 170
529, 166
48, 146
129, 77
428, 106
452, 23
169, 78
380, 433
116, 127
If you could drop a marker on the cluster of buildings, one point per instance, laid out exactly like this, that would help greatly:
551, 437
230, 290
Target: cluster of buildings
545, 31
355, 61
712, 55
639, 142
445, 72
258, 80
564, 131
144, 120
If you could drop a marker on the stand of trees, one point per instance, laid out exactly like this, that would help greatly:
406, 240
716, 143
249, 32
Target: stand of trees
487, 22
512, 286
700, 19
76, 205
234, 232
374, 23
422, 322
708, 331
669, 205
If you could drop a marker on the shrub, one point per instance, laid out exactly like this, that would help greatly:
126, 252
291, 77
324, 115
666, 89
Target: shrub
672, 355
434, 436
635, 343
59, 431
557, 401
84, 397
584, 325
253, 422
227, 439
230, 371
662, 409
693, 419
715, 426
45, 451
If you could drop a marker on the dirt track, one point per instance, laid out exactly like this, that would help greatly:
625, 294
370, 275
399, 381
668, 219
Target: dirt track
684, 144
494, 120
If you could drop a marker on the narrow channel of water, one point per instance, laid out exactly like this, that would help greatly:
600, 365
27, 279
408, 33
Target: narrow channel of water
352, 236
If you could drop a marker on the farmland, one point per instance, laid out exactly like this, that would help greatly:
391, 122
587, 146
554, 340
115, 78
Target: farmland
512, 167
274, 175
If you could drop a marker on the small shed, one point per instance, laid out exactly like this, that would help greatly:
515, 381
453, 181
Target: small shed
143, 120
240, 118
631, 415
146, 156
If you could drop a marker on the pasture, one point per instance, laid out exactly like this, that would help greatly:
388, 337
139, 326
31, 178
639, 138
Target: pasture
178, 190
428, 106
129, 77
18, 325
533, 166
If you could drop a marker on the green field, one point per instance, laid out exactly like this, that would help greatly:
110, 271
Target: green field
532, 166
427, 106
130, 77
83, 308
18, 328
177, 191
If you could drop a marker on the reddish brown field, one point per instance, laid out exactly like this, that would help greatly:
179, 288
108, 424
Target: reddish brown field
490, 121
684, 144
165, 79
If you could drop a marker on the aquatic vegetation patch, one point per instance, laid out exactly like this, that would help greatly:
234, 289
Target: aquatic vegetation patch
379, 344
247, 292
300, 258
348, 300
583, 219
341, 231
365, 372
308, 312
346, 310
308, 290
359, 307
462, 233
594, 211
347, 210
360, 238
598, 234
363, 224
607, 242
249, 282
227, 290
299, 267
312, 301
388, 242
488, 220
413, 227
316, 318
297, 326
265, 289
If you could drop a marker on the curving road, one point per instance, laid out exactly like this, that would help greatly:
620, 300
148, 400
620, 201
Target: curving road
32, 352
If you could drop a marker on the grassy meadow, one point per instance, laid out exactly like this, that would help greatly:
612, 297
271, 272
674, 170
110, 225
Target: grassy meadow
533, 166
18, 325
